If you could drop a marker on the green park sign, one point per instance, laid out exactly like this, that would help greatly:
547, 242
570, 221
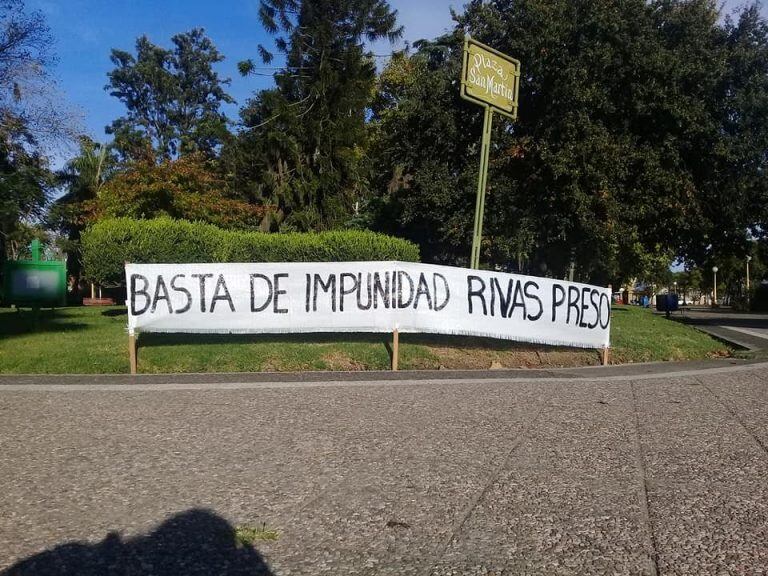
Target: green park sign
35, 282
491, 79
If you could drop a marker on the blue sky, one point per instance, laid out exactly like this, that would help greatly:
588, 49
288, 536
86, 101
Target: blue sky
86, 31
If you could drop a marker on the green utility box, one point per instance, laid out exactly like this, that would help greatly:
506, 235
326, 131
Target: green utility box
35, 282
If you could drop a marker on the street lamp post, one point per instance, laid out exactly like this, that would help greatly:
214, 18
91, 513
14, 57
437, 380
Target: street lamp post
714, 286
674, 287
749, 258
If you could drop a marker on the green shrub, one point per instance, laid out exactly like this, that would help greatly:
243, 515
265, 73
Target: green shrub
110, 243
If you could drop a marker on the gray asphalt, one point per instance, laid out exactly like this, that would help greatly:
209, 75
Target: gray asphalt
743, 330
580, 473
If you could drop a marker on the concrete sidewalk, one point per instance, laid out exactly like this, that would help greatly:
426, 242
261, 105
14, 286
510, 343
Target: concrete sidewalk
619, 474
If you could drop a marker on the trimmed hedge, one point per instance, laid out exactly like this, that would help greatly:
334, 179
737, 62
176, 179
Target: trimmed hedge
109, 243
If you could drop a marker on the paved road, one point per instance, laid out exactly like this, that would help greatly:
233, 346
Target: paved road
629, 474
747, 330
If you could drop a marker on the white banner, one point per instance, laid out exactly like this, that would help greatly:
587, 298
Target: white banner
365, 297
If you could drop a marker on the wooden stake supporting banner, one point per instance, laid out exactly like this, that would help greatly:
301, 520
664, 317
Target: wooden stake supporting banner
132, 353
606, 350
395, 349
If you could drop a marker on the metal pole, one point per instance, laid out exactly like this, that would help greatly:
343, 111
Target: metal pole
714, 290
481, 186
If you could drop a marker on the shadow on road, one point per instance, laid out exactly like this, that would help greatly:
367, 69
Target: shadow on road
725, 320
192, 543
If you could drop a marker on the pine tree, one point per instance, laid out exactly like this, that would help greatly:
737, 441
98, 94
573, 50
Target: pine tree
303, 144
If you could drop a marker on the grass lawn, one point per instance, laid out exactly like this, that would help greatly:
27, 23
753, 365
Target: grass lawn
93, 340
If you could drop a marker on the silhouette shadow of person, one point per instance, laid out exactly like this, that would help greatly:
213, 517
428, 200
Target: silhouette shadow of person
196, 542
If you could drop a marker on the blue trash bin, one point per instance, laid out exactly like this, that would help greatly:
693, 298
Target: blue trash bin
667, 303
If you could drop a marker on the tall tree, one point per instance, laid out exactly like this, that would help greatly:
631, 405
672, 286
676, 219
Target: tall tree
737, 172
424, 152
28, 121
82, 179
28, 93
25, 50
172, 97
25, 186
303, 143
640, 136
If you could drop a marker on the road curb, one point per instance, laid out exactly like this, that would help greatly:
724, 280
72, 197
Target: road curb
321, 379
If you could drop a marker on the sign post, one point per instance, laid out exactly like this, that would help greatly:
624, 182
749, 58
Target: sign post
491, 79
